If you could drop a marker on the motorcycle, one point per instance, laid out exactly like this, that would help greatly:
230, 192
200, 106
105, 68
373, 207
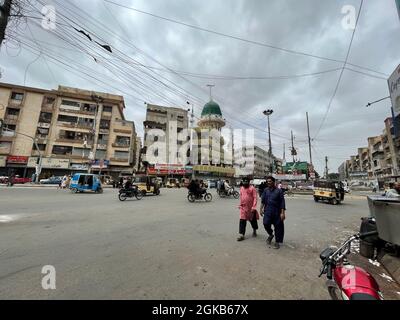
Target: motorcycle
228, 193
345, 281
130, 193
205, 195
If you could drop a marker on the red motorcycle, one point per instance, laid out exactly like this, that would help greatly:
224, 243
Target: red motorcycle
345, 281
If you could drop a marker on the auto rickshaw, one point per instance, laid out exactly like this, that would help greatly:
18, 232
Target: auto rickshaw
147, 184
173, 183
82, 182
330, 191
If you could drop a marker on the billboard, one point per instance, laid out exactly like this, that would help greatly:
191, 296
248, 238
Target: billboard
100, 164
394, 89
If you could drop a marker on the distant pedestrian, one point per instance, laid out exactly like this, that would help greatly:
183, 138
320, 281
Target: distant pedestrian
273, 209
248, 209
64, 182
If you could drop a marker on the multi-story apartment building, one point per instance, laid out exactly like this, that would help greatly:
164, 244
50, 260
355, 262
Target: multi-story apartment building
254, 161
162, 125
74, 130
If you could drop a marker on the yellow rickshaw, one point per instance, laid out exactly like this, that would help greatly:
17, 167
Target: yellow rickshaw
147, 184
329, 191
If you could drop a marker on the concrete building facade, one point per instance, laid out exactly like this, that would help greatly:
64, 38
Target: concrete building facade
75, 130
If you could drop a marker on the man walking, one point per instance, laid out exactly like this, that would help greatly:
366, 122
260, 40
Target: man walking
273, 209
248, 209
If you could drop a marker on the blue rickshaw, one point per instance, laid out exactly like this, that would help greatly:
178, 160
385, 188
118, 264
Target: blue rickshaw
82, 182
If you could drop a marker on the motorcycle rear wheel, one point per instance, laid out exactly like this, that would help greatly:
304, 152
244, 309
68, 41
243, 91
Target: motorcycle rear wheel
236, 195
191, 198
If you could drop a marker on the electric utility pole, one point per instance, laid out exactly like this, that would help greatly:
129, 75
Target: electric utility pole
294, 152
5, 11
309, 139
326, 168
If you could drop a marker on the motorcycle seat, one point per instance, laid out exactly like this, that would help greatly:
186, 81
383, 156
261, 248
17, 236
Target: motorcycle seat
362, 296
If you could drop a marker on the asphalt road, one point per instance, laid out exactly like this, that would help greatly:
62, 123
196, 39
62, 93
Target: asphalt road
160, 247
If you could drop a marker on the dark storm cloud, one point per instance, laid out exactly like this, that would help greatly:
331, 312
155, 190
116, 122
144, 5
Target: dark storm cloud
311, 26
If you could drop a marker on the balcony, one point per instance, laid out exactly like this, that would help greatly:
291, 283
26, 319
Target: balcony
44, 125
11, 119
75, 125
102, 146
120, 145
104, 131
15, 103
125, 160
69, 110
126, 131
106, 116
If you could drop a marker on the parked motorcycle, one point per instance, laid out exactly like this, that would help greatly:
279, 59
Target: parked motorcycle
228, 193
204, 196
130, 193
345, 281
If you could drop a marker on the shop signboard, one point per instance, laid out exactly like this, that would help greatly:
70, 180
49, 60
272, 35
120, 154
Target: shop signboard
17, 160
79, 166
49, 163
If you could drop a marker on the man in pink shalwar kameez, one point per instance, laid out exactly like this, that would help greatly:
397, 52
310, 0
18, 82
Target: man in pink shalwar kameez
248, 209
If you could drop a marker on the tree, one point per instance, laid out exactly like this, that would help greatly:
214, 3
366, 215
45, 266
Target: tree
5, 11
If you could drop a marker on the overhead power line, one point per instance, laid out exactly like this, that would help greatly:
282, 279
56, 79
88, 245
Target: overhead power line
341, 73
296, 52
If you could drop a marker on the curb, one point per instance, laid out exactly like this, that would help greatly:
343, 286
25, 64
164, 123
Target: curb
392, 265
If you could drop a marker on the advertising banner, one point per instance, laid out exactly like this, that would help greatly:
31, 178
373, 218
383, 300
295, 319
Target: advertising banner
100, 164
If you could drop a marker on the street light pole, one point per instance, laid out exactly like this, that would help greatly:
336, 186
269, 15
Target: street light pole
268, 113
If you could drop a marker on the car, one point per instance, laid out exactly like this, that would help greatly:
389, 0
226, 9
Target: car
18, 180
51, 180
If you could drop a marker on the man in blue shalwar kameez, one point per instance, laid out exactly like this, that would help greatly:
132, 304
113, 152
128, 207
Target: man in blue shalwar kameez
273, 210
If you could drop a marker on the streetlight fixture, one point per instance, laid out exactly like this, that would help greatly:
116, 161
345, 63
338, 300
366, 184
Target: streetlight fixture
268, 113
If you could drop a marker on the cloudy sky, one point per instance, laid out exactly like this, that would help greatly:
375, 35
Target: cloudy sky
160, 61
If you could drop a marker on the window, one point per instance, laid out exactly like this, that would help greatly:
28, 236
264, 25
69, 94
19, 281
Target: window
101, 154
156, 153
12, 112
49, 100
70, 103
126, 141
121, 155
107, 108
42, 147
45, 117
63, 118
104, 124
62, 150
155, 138
82, 152
17, 96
